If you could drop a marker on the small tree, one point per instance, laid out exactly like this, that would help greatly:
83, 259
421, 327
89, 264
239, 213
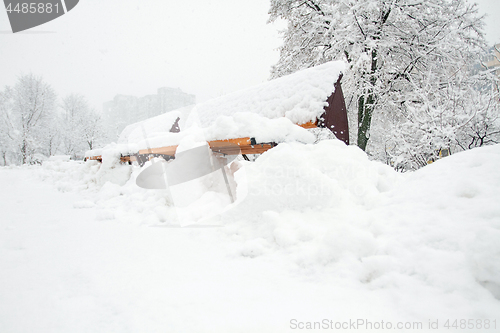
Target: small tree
52, 135
93, 130
483, 127
82, 126
6, 129
75, 109
32, 104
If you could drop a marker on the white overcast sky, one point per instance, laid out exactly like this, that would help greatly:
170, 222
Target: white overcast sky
205, 47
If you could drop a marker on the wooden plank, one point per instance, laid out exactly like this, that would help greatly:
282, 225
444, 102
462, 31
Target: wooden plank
246, 149
126, 159
310, 124
229, 142
170, 150
257, 149
227, 147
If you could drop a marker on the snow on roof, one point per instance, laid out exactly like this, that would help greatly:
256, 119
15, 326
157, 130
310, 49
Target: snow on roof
300, 97
267, 112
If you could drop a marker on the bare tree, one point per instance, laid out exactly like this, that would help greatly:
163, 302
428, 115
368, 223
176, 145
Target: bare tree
75, 109
93, 130
82, 126
484, 126
6, 135
33, 103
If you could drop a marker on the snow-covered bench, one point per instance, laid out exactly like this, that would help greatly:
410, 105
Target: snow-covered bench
250, 121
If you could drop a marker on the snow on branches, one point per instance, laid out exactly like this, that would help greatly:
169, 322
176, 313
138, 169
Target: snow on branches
32, 127
410, 64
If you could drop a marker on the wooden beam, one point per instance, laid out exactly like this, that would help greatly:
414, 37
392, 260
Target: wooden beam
226, 147
309, 124
243, 149
127, 159
229, 142
257, 149
170, 150
94, 158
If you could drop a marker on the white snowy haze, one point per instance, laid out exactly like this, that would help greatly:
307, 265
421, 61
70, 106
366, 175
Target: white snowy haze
491, 8
104, 48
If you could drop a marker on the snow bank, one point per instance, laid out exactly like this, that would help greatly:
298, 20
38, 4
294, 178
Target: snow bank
448, 223
432, 237
424, 243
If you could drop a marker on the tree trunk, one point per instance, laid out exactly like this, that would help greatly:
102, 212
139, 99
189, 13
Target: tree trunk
366, 104
24, 152
365, 112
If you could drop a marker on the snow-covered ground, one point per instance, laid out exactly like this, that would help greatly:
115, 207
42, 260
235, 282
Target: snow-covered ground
319, 234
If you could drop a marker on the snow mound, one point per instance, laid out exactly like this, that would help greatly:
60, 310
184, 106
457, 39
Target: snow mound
432, 234
295, 176
424, 243
448, 222
311, 202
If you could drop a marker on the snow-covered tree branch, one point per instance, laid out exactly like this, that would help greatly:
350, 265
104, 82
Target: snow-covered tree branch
31, 124
406, 60
33, 105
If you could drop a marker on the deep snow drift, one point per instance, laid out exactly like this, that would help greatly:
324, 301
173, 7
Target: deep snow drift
317, 232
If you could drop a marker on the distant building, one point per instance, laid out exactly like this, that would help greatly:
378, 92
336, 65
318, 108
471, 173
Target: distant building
492, 61
124, 110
